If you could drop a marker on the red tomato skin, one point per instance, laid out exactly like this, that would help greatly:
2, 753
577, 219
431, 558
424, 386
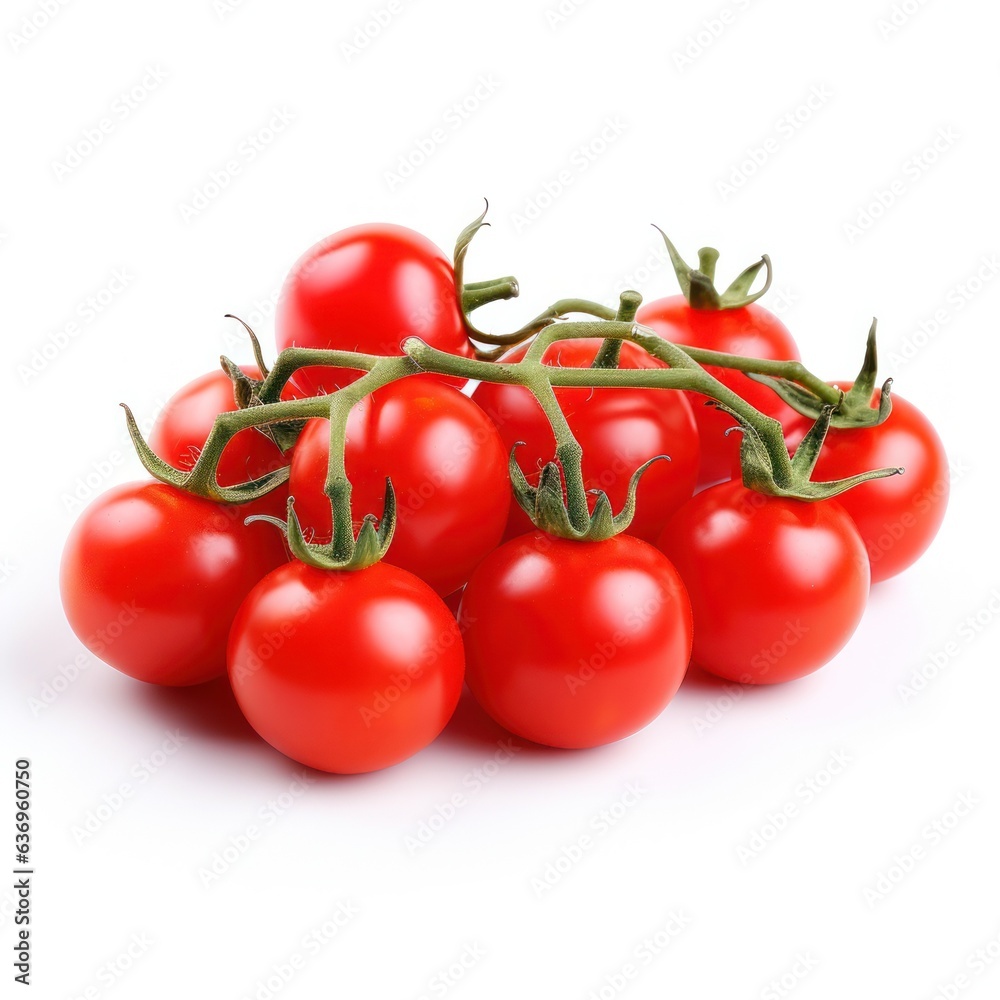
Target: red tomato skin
448, 468
575, 644
181, 429
777, 586
367, 289
897, 517
751, 331
151, 578
346, 672
619, 429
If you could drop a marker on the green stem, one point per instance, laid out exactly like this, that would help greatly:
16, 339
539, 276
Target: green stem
292, 359
337, 486
556, 311
610, 351
767, 464
481, 293
794, 371
699, 380
568, 449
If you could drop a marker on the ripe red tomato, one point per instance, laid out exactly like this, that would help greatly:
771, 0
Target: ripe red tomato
346, 671
777, 586
367, 289
619, 430
152, 576
751, 331
575, 644
448, 468
181, 429
897, 517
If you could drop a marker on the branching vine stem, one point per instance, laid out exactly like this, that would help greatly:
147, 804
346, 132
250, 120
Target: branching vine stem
768, 467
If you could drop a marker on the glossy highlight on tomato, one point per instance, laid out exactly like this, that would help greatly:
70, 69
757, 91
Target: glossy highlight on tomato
367, 289
575, 644
346, 671
777, 586
750, 330
152, 577
448, 468
618, 429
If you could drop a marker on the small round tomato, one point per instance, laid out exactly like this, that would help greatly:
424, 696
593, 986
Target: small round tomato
751, 331
448, 468
575, 644
777, 586
618, 429
183, 426
899, 516
367, 289
345, 671
151, 578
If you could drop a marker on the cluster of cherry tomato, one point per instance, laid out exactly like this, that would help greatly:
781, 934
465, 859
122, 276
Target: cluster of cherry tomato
564, 642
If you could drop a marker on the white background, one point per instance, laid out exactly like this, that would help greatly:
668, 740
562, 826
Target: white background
712, 768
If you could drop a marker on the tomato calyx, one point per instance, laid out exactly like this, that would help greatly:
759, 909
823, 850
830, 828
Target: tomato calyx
698, 283
201, 478
855, 407
768, 468
565, 512
346, 551
247, 392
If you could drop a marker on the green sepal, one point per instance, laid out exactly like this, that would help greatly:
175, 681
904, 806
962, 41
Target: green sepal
855, 408
365, 549
546, 505
768, 468
698, 283
258, 354
245, 388
808, 449
246, 392
200, 480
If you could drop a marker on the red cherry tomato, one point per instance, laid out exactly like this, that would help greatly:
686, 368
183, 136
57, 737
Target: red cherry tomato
181, 429
751, 331
897, 517
346, 672
619, 429
151, 578
448, 468
575, 644
777, 586
367, 289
